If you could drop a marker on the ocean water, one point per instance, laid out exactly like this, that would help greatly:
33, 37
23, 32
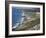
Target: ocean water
16, 15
